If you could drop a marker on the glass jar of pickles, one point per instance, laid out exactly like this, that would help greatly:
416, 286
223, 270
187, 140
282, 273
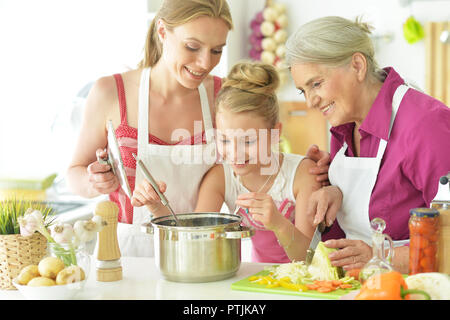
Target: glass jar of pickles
423, 240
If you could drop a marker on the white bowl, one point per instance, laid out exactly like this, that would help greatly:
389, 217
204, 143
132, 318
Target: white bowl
57, 292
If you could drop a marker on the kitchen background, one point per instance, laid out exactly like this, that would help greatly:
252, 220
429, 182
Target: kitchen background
51, 51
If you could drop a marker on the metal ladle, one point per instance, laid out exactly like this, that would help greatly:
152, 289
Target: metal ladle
152, 181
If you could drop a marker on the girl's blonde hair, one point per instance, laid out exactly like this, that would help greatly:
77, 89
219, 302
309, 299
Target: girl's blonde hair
251, 87
178, 12
332, 41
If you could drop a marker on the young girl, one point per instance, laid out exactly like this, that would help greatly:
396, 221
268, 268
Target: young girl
269, 189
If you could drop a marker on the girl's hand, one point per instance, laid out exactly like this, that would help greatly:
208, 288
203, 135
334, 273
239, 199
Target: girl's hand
324, 204
322, 159
353, 254
144, 194
262, 208
100, 176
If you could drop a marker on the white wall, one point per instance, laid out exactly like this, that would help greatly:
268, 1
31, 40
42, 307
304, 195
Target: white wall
387, 16
49, 49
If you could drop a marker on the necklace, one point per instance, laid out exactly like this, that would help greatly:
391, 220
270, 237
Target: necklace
267, 180
261, 188
240, 181
263, 185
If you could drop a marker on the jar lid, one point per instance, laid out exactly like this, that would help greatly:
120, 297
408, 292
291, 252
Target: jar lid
424, 212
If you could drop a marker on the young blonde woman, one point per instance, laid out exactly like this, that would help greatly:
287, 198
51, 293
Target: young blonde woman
269, 189
171, 90
389, 142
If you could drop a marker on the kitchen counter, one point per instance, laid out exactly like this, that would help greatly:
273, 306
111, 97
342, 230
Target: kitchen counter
142, 281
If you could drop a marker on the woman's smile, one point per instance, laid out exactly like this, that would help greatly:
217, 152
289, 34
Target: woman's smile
197, 75
327, 109
241, 165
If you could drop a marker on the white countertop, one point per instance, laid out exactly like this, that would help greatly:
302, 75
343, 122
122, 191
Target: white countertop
142, 281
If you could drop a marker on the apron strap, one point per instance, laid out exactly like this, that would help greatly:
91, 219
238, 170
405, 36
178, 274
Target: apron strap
206, 112
144, 89
396, 100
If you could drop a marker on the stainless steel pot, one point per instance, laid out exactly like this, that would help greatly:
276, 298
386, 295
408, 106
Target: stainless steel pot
203, 247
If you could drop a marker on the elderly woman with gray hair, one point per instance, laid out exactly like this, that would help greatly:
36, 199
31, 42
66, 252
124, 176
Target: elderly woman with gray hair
389, 142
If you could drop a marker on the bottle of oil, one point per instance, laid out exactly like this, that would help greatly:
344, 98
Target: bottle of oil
379, 263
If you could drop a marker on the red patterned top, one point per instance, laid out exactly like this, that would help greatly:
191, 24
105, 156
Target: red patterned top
127, 140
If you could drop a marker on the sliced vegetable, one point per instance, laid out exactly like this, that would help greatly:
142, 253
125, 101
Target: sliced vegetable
321, 267
323, 286
270, 282
353, 273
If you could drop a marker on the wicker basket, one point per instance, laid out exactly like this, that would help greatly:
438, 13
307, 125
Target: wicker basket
17, 252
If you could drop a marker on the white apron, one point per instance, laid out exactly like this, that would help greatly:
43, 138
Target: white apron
356, 177
181, 167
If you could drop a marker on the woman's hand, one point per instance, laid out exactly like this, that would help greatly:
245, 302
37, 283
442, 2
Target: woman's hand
352, 254
262, 208
144, 194
322, 159
100, 176
324, 204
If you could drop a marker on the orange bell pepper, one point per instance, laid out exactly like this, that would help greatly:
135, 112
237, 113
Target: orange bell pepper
387, 286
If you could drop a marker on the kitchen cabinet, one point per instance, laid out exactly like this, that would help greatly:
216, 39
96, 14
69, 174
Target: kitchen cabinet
437, 66
303, 127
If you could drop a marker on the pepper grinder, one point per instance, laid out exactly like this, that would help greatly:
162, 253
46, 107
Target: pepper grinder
108, 263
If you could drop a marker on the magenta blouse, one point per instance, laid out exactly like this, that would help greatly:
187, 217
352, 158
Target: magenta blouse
416, 156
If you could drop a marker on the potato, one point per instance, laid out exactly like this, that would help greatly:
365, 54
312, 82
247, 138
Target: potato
70, 274
41, 282
28, 273
50, 267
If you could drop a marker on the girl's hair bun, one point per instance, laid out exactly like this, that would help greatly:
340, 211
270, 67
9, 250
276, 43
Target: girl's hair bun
253, 77
251, 87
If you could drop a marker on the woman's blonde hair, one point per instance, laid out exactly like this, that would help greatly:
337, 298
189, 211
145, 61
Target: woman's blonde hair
332, 41
251, 87
178, 12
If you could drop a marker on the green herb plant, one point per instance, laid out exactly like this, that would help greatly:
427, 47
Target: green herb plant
12, 209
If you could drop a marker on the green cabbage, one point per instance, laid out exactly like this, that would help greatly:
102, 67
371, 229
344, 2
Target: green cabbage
321, 268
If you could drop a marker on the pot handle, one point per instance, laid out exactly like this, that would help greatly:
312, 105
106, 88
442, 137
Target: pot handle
147, 228
245, 232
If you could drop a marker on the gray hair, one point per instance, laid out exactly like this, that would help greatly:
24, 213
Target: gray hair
332, 41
